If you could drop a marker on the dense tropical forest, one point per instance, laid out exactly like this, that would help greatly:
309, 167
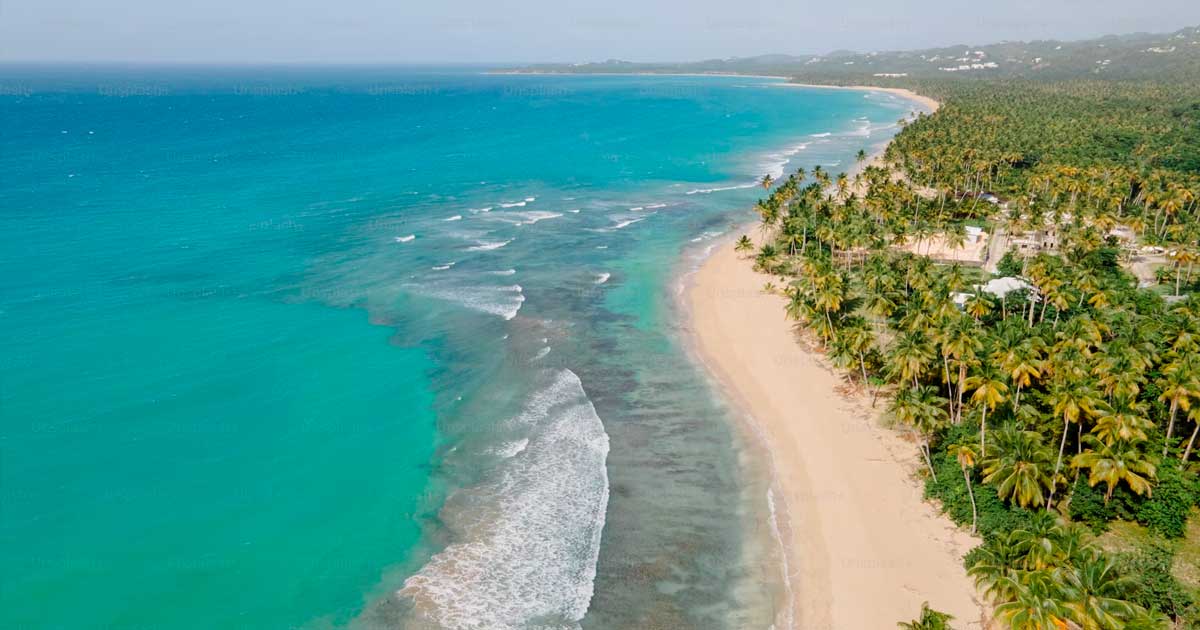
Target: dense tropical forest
1057, 411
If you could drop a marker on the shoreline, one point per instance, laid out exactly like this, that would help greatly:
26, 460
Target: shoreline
861, 546
904, 93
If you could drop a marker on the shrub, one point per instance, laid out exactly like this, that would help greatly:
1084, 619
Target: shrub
1087, 506
1154, 587
1010, 264
1166, 511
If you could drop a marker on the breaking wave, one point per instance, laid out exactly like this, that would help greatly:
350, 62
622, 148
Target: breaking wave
531, 560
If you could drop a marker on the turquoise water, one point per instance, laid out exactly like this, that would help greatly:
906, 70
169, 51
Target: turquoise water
345, 347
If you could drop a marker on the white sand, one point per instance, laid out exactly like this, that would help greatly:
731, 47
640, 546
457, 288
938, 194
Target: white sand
863, 548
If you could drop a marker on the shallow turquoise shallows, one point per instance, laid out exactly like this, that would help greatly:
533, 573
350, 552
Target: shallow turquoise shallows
379, 348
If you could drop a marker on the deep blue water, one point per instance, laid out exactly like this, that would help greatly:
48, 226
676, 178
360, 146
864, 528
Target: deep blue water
316, 348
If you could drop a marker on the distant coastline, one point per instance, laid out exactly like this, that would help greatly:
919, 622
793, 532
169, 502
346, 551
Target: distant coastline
638, 74
787, 81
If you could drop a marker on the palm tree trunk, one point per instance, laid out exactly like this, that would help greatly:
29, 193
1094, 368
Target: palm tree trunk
1062, 446
1187, 452
928, 458
983, 433
1170, 427
971, 493
962, 378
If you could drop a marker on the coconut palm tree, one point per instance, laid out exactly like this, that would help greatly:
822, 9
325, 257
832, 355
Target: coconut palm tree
988, 391
1094, 595
766, 181
1071, 400
1116, 462
1019, 466
1037, 605
966, 457
920, 408
744, 244
1179, 386
909, 357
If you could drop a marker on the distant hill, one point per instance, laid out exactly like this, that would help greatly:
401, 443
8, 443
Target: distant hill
1136, 55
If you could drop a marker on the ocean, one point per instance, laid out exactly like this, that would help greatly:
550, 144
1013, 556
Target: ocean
354, 347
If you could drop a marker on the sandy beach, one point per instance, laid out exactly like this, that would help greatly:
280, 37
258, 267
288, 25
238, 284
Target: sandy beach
863, 548
907, 94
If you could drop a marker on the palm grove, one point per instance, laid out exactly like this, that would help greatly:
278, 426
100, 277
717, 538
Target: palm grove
1044, 413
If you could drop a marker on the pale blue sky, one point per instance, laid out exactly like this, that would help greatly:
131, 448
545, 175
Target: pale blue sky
405, 31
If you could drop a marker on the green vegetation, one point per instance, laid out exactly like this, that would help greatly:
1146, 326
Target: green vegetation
930, 619
1141, 56
1065, 404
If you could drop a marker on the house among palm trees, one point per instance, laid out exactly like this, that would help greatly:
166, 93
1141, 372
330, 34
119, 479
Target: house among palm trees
1036, 241
998, 288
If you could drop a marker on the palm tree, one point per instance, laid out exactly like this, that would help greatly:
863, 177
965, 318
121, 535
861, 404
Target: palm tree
909, 357
920, 408
966, 456
1072, 401
861, 156
1114, 462
1037, 605
989, 392
1126, 421
766, 181
744, 244
1019, 467
930, 619
1094, 591
1179, 386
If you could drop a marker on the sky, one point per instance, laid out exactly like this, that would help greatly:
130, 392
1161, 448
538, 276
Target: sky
517, 31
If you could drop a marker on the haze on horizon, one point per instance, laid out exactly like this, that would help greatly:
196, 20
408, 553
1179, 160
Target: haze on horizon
383, 31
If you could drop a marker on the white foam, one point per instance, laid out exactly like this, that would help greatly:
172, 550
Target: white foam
405, 239
821, 135
623, 221
527, 217
534, 564
705, 191
707, 236
655, 206
637, 209
503, 272
504, 301
513, 204
511, 449
534, 216
457, 217
479, 210
603, 277
541, 354
531, 199
443, 267
486, 246
776, 164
